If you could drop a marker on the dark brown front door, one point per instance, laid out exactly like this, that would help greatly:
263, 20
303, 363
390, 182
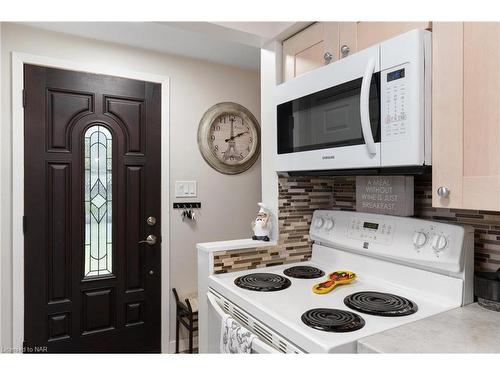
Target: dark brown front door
92, 179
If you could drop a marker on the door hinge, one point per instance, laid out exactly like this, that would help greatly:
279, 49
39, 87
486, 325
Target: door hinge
24, 98
24, 224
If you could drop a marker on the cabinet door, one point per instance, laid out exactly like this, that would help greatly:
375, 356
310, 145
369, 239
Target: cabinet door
348, 38
466, 115
305, 51
370, 33
481, 174
447, 112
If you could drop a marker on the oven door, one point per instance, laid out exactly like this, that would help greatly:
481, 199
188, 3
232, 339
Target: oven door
330, 118
215, 318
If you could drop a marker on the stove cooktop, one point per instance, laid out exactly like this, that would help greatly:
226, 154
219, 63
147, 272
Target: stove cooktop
282, 309
395, 285
380, 304
304, 272
262, 282
333, 320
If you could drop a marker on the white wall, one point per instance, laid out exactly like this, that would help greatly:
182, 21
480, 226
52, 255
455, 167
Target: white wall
1, 80
270, 70
228, 202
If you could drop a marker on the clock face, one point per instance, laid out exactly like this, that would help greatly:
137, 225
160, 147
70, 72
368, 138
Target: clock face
229, 138
232, 139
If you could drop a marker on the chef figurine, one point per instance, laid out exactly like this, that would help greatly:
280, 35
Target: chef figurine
262, 224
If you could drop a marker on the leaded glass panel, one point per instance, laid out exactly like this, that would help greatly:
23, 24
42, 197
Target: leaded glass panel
98, 201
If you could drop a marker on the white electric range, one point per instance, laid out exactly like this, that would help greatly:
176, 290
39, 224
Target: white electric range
426, 266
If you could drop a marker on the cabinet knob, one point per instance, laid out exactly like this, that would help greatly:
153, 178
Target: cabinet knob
328, 57
344, 50
443, 191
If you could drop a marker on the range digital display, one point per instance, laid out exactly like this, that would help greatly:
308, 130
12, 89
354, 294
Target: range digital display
397, 74
369, 225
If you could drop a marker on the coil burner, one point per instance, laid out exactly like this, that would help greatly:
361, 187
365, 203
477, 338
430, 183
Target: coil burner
304, 272
263, 282
381, 304
333, 320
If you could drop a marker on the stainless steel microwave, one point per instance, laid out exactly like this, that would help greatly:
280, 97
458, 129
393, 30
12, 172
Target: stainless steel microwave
369, 110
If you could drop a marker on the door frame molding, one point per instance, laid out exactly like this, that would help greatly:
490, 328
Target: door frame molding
17, 163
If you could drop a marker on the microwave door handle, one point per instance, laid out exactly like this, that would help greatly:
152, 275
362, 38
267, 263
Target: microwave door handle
364, 107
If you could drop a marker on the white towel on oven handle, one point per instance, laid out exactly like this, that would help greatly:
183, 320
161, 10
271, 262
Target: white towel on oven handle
234, 338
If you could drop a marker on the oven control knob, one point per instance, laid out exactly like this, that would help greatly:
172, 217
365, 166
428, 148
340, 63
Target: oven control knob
419, 239
329, 224
318, 222
439, 242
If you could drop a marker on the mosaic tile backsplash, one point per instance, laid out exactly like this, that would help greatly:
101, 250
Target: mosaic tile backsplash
299, 197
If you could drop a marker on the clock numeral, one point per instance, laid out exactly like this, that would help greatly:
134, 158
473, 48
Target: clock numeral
216, 148
251, 140
232, 158
216, 128
212, 137
241, 154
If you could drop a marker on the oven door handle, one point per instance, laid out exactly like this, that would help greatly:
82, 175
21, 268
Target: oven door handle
258, 345
364, 108
215, 305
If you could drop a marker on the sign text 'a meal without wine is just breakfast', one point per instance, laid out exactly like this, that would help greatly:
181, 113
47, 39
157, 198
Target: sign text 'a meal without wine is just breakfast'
390, 195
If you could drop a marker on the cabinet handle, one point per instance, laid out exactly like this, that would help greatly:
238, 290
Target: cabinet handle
328, 58
443, 191
344, 50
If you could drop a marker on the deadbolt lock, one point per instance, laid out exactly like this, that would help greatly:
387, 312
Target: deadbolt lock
151, 221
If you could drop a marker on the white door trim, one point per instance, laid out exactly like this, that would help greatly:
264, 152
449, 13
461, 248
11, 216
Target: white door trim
18, 61
1, 293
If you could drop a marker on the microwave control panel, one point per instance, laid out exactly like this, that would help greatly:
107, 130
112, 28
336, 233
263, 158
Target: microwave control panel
394, 103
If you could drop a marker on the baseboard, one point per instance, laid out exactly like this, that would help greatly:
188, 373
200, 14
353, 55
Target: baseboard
183, 345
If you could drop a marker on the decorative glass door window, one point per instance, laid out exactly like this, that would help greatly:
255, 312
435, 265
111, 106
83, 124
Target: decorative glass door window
98, 201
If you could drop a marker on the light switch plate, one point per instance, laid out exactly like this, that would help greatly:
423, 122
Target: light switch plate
185, 189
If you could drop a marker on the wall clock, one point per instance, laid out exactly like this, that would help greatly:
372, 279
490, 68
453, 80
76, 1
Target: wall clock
229, 138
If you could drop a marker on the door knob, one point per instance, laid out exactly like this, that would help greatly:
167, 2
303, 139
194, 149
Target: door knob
344, 50
150, 240
443, 191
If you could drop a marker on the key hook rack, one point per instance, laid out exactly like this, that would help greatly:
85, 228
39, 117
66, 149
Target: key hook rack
187, 208
187, 205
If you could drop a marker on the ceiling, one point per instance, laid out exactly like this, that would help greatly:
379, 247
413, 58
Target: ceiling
231, 43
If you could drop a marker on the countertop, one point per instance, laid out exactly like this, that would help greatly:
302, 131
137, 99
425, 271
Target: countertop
247, 243
468, 329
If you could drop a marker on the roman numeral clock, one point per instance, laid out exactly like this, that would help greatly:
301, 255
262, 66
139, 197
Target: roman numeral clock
229, 138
